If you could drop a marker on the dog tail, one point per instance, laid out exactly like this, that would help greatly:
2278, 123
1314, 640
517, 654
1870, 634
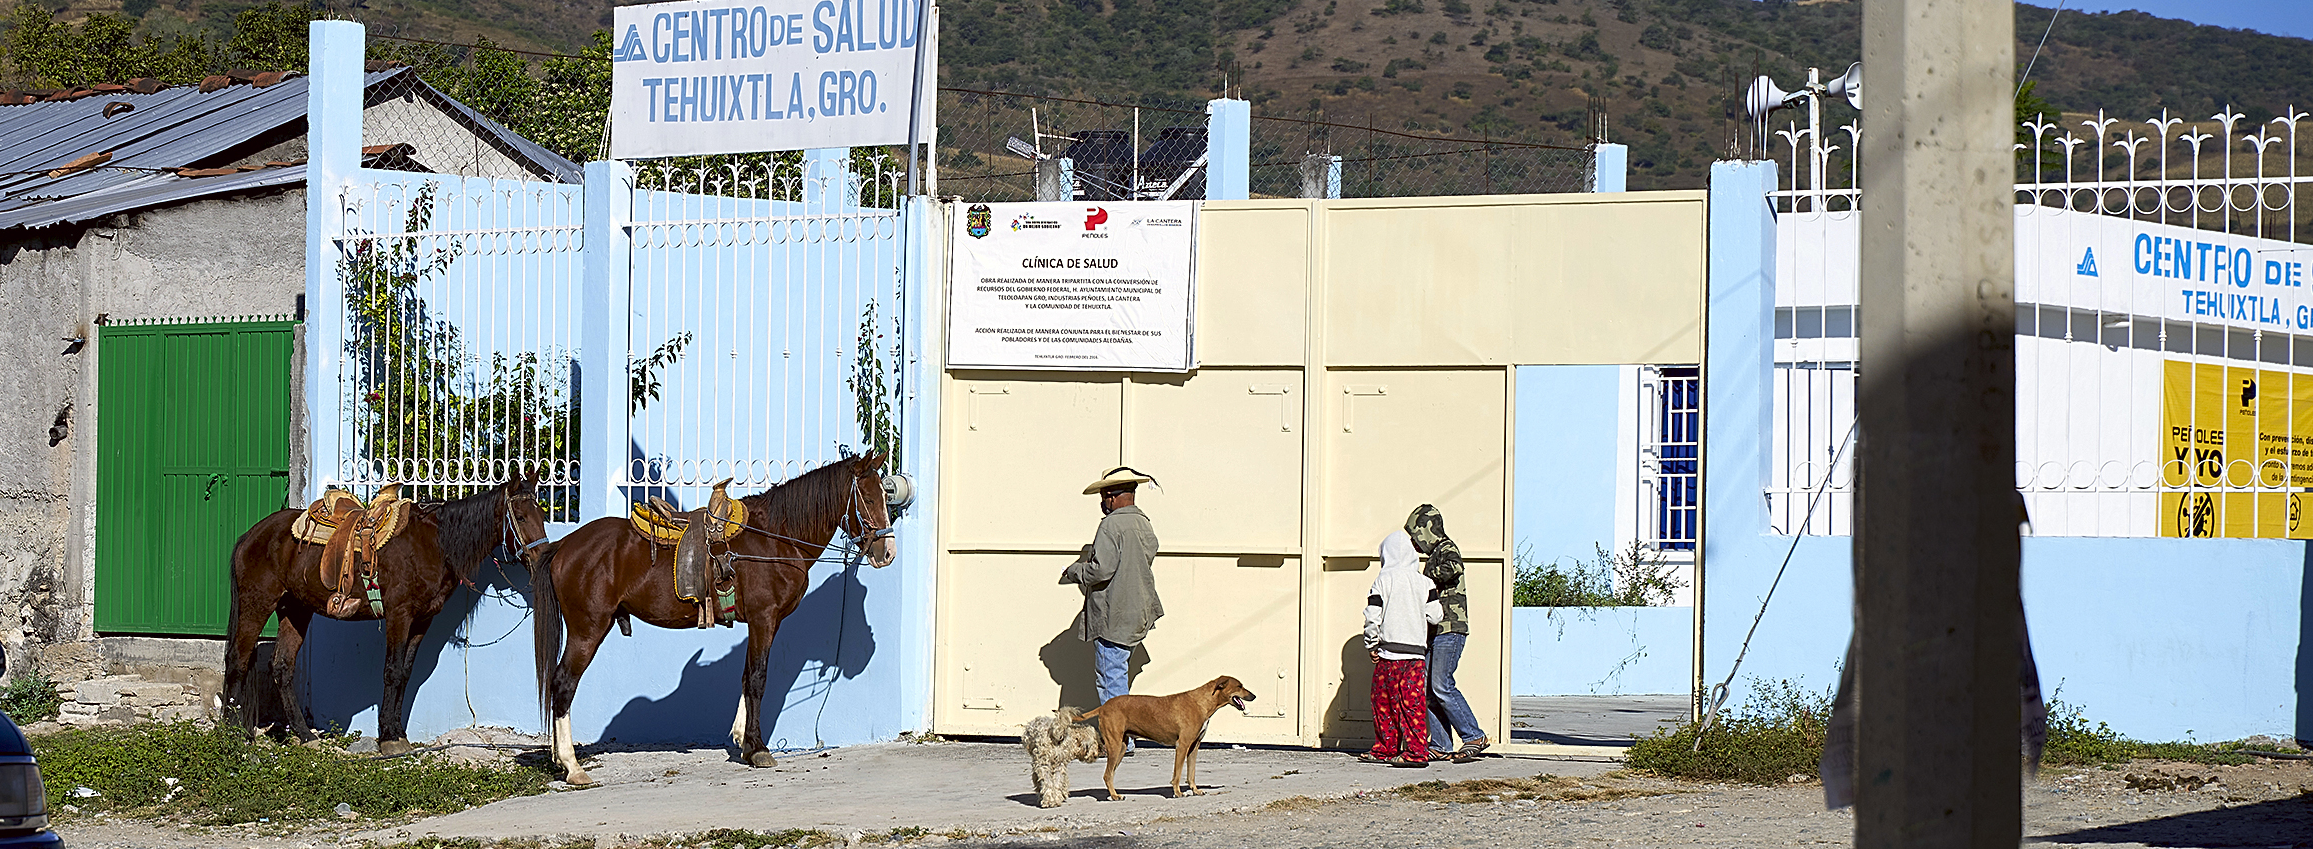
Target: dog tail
1080, 716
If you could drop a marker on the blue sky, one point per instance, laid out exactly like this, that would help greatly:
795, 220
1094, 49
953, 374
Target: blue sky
2278, 17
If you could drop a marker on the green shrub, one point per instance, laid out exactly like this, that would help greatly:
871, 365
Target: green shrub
1637, 577
1778, 733
30, 698
219, 776
2072, 742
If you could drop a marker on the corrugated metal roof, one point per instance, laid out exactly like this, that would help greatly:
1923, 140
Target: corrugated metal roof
169, 130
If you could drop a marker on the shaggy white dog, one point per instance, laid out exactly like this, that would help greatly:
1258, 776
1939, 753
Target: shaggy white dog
1053, 741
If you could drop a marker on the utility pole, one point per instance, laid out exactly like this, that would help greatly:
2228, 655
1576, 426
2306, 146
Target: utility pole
1938, 754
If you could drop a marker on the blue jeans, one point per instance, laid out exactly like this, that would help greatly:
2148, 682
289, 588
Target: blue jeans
1447, 707
1110, 665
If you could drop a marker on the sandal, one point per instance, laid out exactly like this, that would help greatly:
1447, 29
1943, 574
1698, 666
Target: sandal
1408, 763
1371, 758
1470, 749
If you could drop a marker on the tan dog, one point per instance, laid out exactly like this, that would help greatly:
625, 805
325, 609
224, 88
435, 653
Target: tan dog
1178, 720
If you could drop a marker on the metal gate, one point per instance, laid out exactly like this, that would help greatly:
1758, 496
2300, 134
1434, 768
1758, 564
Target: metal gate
194, 450
763, 317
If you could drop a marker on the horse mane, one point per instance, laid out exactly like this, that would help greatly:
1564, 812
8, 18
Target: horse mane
801, 505
468, 528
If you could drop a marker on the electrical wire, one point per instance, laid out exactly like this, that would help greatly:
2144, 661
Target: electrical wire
2027, 75
1719, 693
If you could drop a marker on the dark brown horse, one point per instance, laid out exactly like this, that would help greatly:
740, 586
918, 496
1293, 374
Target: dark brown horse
605, 570
274, 571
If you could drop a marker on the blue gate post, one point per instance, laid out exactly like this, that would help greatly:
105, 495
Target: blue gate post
602, 340
1228, 149
1738, 404
918, 530
1609, 167
333, 140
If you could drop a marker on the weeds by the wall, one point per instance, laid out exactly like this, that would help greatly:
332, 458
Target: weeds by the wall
1777, 734
218, 776
30, 698
2072, 741
1636, 577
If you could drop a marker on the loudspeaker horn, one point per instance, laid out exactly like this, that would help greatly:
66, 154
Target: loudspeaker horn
1764, 97
1849, 85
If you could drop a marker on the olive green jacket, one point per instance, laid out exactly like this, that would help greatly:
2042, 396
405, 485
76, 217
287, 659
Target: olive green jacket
1120, 597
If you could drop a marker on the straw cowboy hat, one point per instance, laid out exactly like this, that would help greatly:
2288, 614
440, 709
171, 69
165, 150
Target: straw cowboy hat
1121, 476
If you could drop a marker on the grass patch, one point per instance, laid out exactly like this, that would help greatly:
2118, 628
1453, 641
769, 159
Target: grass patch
739, 838
30, 698
1777, 734
1295, 803
217, 776
1545, 787
2073, 741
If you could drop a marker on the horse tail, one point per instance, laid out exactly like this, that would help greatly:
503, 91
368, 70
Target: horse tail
546, 630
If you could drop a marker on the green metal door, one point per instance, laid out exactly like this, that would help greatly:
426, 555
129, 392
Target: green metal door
193, 448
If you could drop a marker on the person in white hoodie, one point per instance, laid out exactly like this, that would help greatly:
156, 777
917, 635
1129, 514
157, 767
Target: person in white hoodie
1399, 610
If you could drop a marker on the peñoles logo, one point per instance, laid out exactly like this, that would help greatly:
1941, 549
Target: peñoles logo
1094, 217
978, 220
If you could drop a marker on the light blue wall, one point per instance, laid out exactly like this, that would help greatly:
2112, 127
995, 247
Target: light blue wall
850, 665
1605, 651
2161, 638
1564, 476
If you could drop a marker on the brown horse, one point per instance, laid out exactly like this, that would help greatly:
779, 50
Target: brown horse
274, 571
605, 570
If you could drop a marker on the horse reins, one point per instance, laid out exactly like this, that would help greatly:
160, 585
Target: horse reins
856, 511
509, 538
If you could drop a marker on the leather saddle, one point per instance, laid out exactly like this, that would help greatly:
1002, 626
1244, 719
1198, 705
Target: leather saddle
702, 557
351, 533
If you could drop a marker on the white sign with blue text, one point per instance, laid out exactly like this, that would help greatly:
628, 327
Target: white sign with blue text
1073, 285
730, 76
2167, 271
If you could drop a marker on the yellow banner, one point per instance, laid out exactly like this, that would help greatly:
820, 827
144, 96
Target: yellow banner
2236, 451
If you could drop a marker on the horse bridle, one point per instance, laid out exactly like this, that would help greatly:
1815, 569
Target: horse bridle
510, 532
856, 511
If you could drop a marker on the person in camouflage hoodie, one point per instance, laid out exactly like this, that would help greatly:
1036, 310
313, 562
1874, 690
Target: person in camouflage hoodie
1448, 709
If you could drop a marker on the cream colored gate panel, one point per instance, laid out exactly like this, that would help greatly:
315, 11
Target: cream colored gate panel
1252, 282
1586, 294
1396, 439
1226, 447
1020, 449
1426, 287
1008, 652
1229, 616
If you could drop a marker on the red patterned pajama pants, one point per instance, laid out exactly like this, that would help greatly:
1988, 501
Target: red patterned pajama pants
1401, 724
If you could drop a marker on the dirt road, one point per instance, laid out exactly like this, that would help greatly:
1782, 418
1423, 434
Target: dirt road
976, 795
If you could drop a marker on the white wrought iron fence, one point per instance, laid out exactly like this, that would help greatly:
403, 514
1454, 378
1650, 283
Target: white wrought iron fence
2159, 290
764, 331
458, 324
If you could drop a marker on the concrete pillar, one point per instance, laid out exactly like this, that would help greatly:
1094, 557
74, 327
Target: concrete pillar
1320, 176
1609, 167
1056, 179
917, 527
1228, 149
1738, 388
1937, 761
333, 141
602, 342
828, 184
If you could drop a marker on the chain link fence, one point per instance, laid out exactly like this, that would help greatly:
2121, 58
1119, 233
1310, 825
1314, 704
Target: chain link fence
990, 143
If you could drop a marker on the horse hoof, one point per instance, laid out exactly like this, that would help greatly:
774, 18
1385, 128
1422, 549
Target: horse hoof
578, 778
390, 748
761, 760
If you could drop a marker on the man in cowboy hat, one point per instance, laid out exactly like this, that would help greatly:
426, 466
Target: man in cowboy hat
1120, 598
